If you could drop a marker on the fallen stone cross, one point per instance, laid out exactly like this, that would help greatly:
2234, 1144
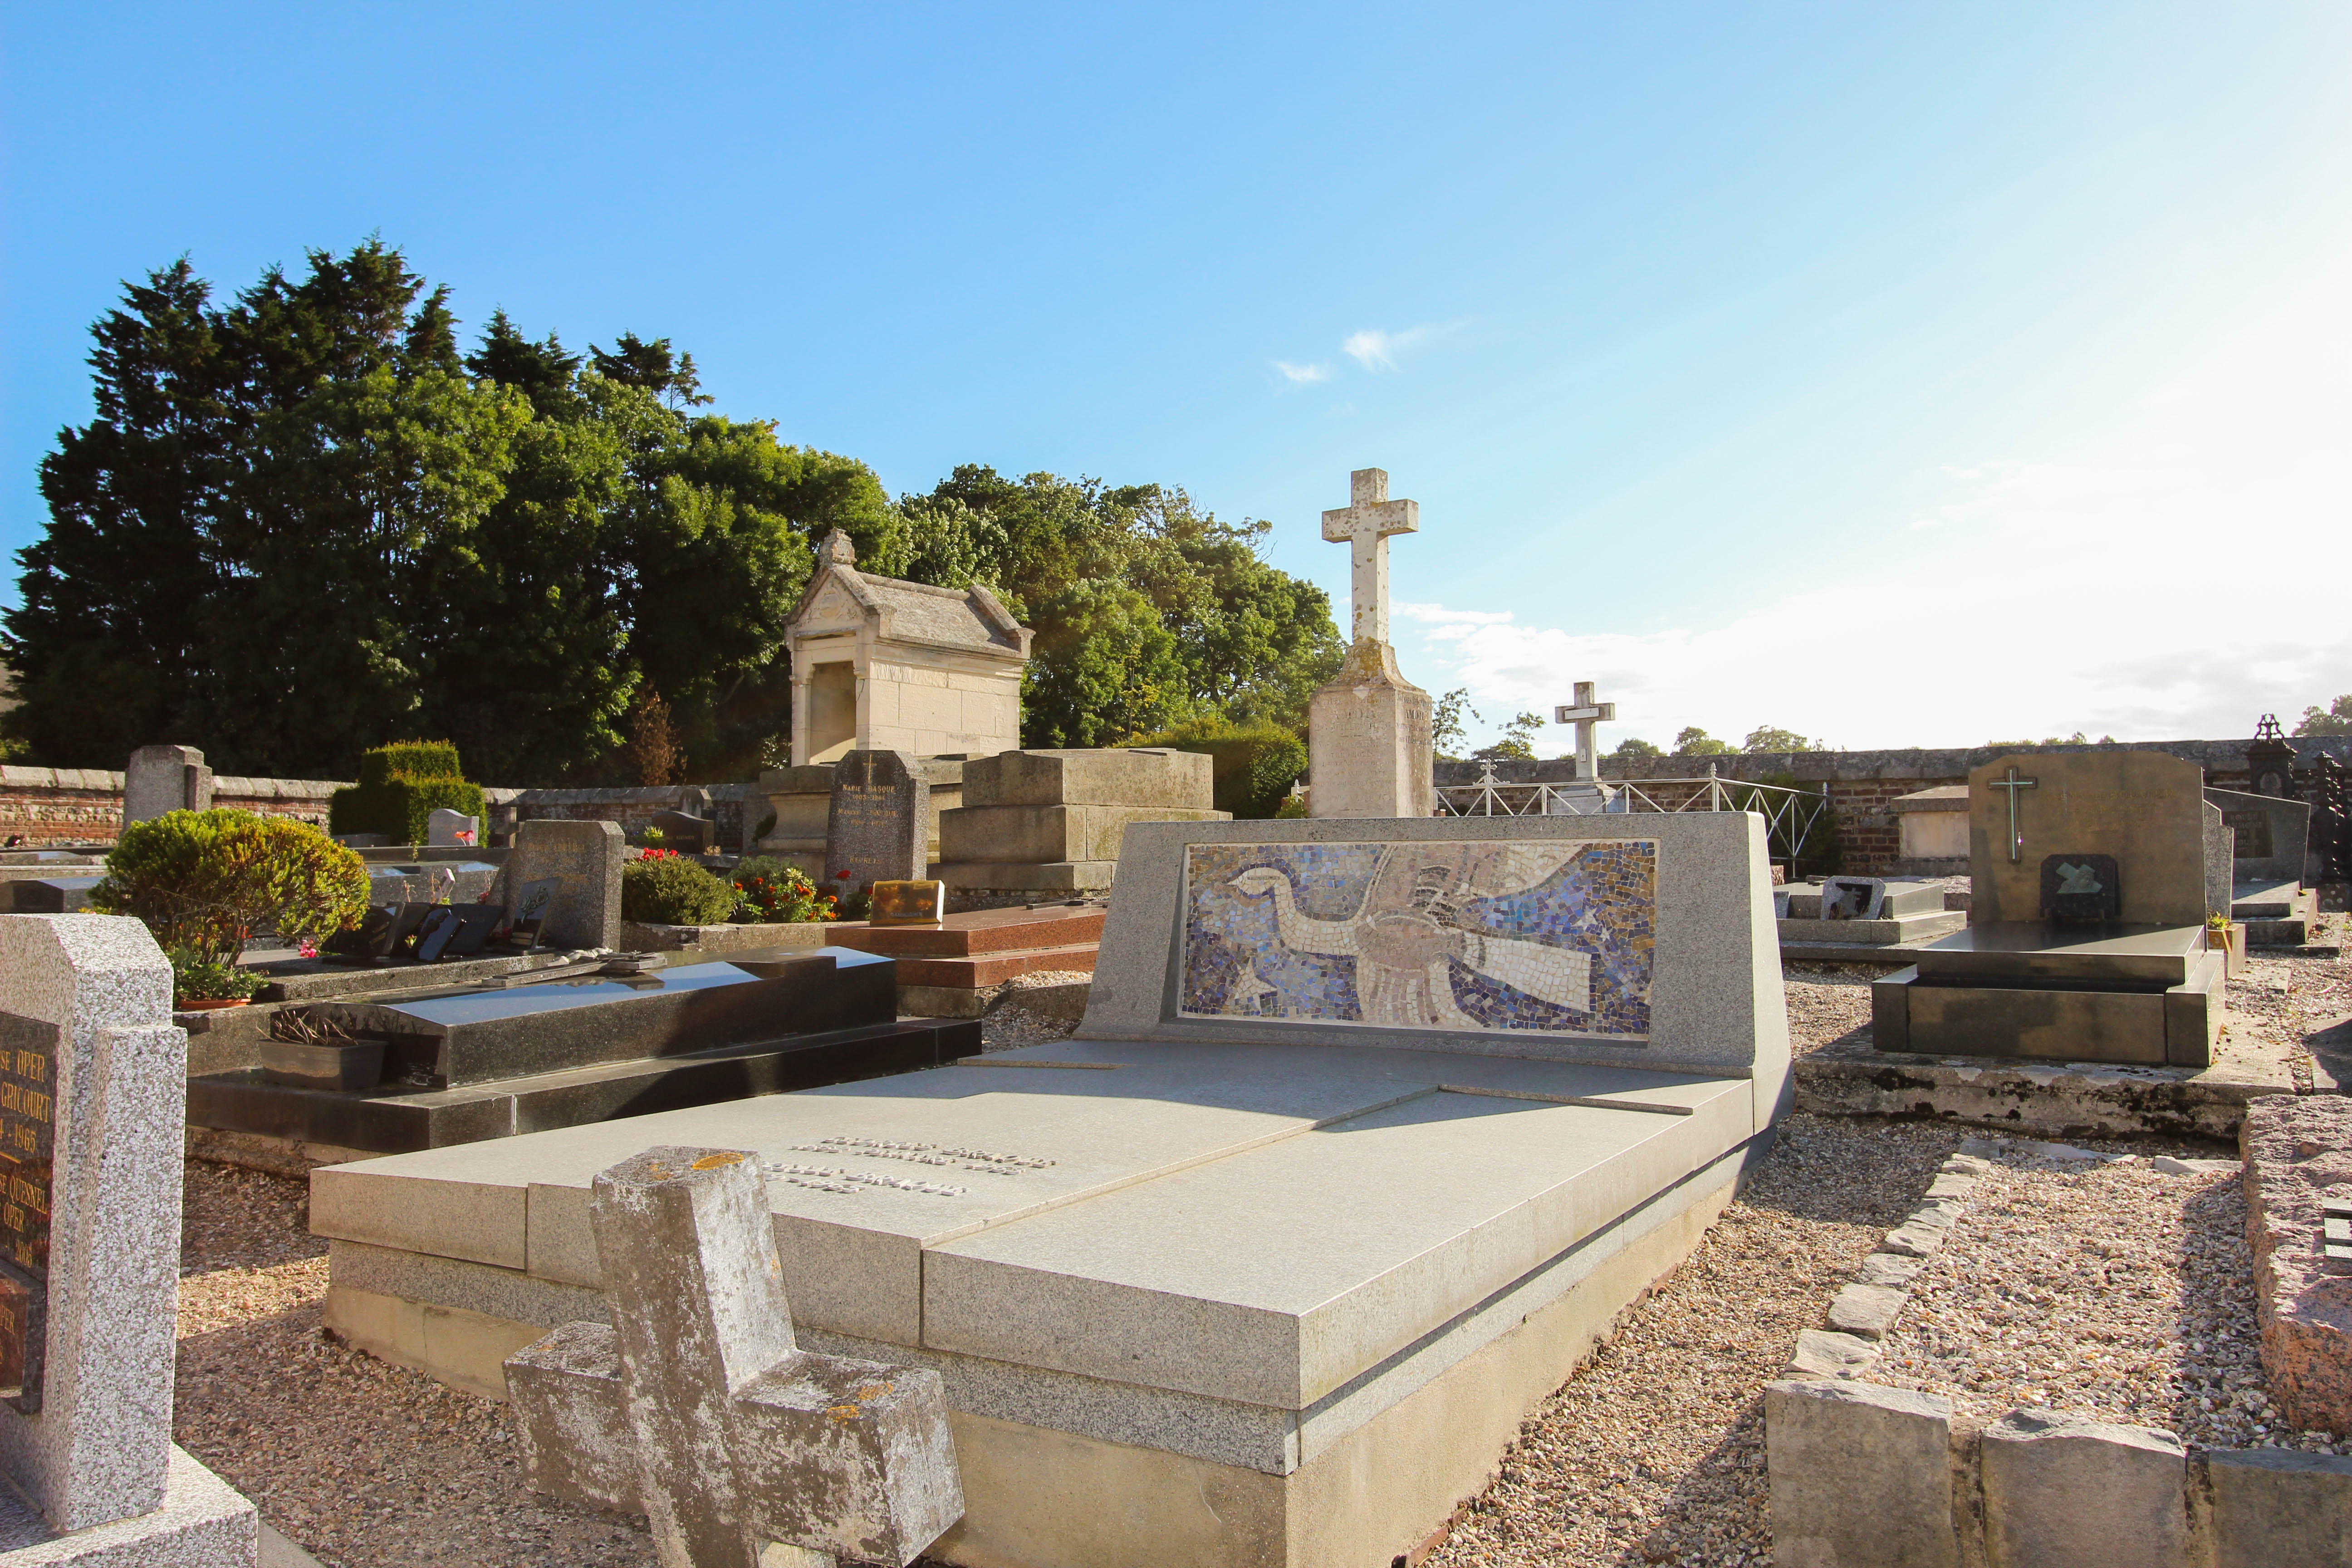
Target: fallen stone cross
697, 1406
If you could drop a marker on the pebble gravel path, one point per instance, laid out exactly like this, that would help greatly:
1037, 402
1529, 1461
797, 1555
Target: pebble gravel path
2102, 1288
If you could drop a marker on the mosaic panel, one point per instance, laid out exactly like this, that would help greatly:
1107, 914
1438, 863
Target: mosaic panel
1552, 936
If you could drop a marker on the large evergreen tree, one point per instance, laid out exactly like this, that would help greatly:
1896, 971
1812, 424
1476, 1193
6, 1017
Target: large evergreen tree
302, 525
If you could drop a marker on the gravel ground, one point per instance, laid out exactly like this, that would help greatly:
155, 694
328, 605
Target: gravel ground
1654, 1452
1826, 1002
364, 1464
1009, 1025
2101, 1289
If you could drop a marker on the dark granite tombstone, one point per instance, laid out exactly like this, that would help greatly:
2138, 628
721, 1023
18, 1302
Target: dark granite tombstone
879, 824
53, 895
684, 832
491, 1059
2080, 887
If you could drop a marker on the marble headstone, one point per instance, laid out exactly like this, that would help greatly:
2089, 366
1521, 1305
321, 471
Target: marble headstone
878, 828
582, 859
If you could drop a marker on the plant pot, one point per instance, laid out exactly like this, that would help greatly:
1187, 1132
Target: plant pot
206, 1006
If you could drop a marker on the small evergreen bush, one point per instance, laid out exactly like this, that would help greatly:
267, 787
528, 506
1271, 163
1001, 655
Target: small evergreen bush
1251, 766
664, 888
206, 882
400, 785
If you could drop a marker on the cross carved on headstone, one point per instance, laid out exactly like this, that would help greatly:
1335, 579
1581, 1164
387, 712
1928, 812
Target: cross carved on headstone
1366, 524
1585, 713
2012, 783
698, 1408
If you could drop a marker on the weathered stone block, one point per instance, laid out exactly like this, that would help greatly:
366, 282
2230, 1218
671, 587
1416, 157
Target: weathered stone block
2296, 1148
1866, 1309
1823, 1354
1040, 835
2276, 1508
1861, 1476
1368, 736
1132, 776
2089, 1494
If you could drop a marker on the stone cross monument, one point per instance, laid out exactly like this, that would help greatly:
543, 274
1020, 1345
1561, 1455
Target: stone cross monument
1367, 732
697, 1407
1585, 714
1365, 525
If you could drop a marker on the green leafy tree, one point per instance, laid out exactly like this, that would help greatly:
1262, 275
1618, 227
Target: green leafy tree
1102, 668
1445, 729
2336, 720
1518, 740
1694, 742
1768, 738
1633, 746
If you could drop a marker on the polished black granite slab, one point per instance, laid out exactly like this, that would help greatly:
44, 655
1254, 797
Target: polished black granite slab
476, 1035
2132, 957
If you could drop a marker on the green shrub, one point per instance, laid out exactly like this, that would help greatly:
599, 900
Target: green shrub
400, 785
1251, 766
667, 889
773, 892
410, 759
205, 881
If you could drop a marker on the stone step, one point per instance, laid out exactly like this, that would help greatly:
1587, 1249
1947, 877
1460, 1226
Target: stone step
979, 932
990, 969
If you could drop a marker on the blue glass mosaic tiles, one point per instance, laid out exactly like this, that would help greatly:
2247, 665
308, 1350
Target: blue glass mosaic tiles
1543, 935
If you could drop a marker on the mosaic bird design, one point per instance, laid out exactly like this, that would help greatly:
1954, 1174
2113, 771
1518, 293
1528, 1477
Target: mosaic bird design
1406, 934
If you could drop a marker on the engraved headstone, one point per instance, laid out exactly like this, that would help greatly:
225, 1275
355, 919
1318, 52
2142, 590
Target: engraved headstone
878, 828
92, 1097
683, 831
2080, 887
161, 779
697, 1407
582, 859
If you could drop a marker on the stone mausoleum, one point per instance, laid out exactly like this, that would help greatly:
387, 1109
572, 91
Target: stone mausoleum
881, 664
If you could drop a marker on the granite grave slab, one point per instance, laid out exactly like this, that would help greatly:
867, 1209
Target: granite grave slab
877, 829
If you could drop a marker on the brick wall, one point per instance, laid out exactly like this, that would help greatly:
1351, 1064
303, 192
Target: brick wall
84, 805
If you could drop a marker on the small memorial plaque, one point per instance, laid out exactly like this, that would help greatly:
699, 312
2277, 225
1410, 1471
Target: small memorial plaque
28, 1065
909, 903
2080, 887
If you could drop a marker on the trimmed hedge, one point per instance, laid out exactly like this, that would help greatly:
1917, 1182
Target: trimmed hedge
1251, 766
400, 786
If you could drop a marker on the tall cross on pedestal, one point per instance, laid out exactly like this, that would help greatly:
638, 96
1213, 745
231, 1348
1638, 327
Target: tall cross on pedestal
1584, 715
2012, 783
1365, 525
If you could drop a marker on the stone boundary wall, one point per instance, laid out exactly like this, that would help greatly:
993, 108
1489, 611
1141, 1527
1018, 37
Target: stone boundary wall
1861, 784
84, 805
634, 807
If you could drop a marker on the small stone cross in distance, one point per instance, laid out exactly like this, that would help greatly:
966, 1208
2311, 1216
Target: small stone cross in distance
1365, 525
697, 1408
1585, 713
2012, 783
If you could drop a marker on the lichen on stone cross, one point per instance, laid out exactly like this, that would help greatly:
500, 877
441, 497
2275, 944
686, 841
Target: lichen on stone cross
697, 1408
1366, 524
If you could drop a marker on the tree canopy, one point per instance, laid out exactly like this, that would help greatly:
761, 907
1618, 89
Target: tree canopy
302, 523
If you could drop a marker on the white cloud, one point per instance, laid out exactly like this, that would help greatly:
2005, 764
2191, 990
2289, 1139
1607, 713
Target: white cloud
1302, 373
1376, 350
2156, 583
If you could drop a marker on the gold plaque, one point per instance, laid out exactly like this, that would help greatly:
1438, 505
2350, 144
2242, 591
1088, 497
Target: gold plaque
909, 903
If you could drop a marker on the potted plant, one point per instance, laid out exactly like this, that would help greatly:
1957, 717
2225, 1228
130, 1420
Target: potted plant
200, 984
2226, 936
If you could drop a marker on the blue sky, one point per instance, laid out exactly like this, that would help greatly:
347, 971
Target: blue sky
1901, 375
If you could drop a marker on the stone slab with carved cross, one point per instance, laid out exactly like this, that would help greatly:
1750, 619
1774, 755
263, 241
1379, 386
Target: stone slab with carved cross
1369, 752
2091, 875
696, 1406
1370, 1130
